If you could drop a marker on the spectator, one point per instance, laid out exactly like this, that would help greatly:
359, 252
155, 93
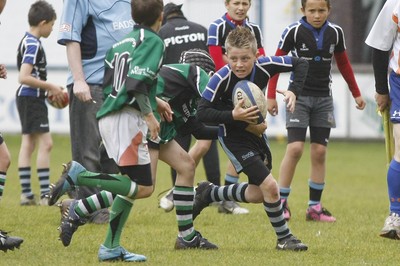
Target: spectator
317, 40
87, 36
384, 41
31, 102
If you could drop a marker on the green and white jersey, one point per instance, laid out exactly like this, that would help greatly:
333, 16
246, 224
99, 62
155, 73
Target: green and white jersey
131, 65
181, 85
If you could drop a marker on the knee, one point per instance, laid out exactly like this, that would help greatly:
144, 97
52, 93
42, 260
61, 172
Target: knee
5, 162
145, 192
187, 167
319, 153
47, 145
203, 147
5, 159
270, 188
295, 151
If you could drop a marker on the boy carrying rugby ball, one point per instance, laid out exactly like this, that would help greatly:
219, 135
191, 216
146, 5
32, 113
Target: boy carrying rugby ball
242, 139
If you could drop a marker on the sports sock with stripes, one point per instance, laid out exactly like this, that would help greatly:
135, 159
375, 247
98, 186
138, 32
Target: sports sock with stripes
316, 190
230, 179
96, 202
234, 192
44, 181
2, 183
284, 192
275, 214
183, 201
25, 181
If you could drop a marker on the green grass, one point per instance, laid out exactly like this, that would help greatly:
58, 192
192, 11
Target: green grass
355, 193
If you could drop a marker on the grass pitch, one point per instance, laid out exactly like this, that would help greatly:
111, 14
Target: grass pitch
355, 193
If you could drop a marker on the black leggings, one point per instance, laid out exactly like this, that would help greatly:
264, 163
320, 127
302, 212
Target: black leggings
318, 135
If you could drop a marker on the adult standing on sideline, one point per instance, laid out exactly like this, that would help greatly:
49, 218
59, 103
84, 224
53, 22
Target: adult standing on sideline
218, 31
179, 35
6, 242
318, 40
383, 38
88, 29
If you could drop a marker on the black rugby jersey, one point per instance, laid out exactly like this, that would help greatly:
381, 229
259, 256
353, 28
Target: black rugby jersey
30, 51
317, 46
216, 104
180, 35
220, 28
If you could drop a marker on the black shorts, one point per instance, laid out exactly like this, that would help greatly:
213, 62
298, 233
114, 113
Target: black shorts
249, 155
33, 114
318, 135
1, 139
153, 145
140, 174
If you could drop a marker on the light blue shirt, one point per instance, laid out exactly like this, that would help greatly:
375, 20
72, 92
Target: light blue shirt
96, 25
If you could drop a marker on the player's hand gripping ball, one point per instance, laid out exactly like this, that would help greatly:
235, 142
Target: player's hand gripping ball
59, 104
252, 96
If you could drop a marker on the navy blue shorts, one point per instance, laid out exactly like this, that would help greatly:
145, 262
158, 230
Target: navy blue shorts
33, 114
394, 81
251, 156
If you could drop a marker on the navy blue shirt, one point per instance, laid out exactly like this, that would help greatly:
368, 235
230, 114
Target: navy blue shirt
317, 46
218, 32
216, 104
30, 51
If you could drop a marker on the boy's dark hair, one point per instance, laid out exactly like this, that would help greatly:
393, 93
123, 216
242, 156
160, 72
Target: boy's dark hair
304, 2
41, 11
172, 10
146, 12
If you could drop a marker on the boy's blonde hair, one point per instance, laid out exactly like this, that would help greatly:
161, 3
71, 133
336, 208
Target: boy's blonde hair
241, 37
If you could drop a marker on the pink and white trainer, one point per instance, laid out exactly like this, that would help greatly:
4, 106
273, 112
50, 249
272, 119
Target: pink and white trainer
318, 213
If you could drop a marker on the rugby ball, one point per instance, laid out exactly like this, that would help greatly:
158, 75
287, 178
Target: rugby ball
252, 96
59, 104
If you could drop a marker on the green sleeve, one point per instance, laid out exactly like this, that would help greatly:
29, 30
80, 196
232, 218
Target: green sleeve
143, 102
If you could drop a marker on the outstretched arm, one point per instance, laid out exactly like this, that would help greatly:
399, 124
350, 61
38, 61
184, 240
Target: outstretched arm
271, 92
346, 70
